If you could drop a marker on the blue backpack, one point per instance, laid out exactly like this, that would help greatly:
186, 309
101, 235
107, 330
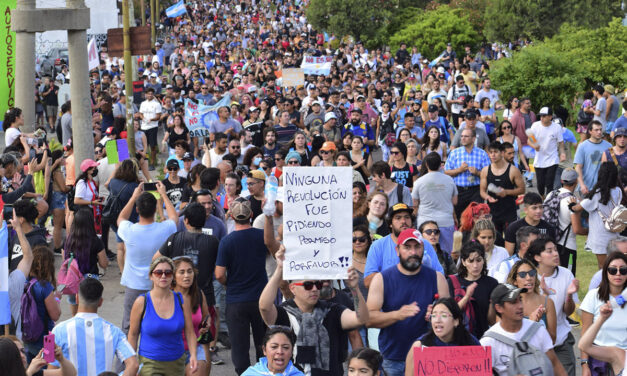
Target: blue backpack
32, 324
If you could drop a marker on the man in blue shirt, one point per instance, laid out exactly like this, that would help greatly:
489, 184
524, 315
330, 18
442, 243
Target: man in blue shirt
382, 253
446, 132
359, 128
588, 157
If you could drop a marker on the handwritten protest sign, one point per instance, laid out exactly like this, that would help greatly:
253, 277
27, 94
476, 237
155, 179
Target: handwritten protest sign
317, 64
317, 222
293, 77
453, 361
198, 117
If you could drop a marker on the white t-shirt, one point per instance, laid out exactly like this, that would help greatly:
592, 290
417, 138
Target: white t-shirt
455, 93
499, 254
11, 135
565, 220
501, 352
435, 191
559, 281
83, 191
613, 332
548, 138
492, 94
598, 236
150, 109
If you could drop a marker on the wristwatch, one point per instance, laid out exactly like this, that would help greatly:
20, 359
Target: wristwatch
583, 361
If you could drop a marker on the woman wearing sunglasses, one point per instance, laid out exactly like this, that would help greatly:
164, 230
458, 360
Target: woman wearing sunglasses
160, 317
327, 152
504, 133
361, 245
430, 231
536, 307
613, 355
612, 333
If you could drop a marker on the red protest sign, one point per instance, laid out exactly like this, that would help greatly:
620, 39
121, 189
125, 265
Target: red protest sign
453, 361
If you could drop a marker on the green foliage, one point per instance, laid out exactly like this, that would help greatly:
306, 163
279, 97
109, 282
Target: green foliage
430, 31
398, 21
475, 9
540, 73
592, 14
358, 18
507, 20
601, 53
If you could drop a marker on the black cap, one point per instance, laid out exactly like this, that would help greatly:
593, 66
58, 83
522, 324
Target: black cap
187, 157
470, 114
433, 108
505, 292
398, 208
358, 110
172, 163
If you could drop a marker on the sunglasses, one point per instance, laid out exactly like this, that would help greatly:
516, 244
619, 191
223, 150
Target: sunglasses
278, 159
308, 285
395, 152
293, 163
531, 273
173, 169
614, 270
360, 239
159, 273
325, 152
434, 231
236, 147
506, 127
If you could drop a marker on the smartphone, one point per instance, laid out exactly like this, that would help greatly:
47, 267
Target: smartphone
49, 348
150, 187
60, 288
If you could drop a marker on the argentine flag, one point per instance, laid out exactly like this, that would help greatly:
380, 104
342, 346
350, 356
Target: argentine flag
5, 306
176, 10
436, 60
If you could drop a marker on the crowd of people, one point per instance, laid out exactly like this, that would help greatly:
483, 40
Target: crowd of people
466, 211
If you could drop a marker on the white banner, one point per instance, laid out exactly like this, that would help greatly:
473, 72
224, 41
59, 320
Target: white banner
317, 64
292, 77
317, 222
93, 59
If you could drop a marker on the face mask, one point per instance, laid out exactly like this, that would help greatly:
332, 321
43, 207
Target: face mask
256, 161
94, 174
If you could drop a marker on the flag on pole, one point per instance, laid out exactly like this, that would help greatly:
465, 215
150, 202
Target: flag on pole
5, 305
92, 54
436, 60
176, 10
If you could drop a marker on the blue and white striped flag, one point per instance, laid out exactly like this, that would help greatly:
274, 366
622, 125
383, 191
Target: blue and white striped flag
176, 10
5, 305
436, 60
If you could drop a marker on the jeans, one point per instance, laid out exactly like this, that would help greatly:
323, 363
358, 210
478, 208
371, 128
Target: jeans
394, 367
220, 294
566, 354
240, 318
545, 177
129, 299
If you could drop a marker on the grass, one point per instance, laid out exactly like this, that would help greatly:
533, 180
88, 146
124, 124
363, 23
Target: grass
586, 266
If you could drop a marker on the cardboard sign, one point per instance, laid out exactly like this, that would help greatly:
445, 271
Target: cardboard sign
317, 64
293, 77
317, 222
453, 361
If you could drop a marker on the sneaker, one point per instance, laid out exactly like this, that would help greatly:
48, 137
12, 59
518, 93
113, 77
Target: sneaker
151, 168
213, 354
223, 338
572, 322
111, 255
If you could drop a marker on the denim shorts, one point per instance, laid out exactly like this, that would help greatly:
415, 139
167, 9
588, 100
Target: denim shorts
58, 200
72, 298
200, 354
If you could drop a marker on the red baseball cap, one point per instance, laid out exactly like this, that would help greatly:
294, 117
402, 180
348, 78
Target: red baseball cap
409, 234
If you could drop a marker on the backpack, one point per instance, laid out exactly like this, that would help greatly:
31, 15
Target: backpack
469, 310
32, 324
524, 358
583, 117
617, 220
70, 275
113, 207
551, 213
70, 199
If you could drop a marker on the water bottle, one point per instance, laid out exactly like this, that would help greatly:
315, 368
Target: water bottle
619, 300
245, 192
272, 185
494, 188
372, 228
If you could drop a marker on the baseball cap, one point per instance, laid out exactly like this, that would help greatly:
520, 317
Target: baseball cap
240, 209
545, 111
109, 131
172, 163
253, 109
504, 292
87, 164
360, 96
328, 116
169, 87
187, 156
409, 234
328, 146
569, 176
433, 108
256, 174
470, 114
316, 103
620, 132
441, 70
358, 110
398, 208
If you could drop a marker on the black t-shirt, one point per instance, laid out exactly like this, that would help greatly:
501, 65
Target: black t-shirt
404, 175
480, 301
337, 336
173, 136
37, 236
202, 249
95, 246
255, 205
175, 191
544, 227
269, 153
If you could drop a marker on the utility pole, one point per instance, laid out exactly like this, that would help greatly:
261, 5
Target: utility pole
142, 5
153, 21
128, 78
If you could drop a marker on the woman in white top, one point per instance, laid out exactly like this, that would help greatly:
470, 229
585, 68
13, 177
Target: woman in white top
610, 333
431, 142
510, 108
484, 233
13, 119
599, 203
613, 355
86, 188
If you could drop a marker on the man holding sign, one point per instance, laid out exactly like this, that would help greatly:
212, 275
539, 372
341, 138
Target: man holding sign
399, 298
318, 347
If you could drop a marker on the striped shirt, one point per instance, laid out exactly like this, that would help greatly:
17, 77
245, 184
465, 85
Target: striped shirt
91, 343
477, 158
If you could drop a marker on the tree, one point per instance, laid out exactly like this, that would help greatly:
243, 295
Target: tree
508, 20
431, 31
592, 14
358, 18
548, 77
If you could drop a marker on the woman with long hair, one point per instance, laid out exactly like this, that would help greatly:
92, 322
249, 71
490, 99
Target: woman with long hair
361, 245
13, 120
536, 306
484, 233
472, 213
377, 209
84, 245
360, 207
510, 108
346, 142
385, 126
614, 356
404, 135
58, 197
277, 346
612, 333
487, 116
160, 317
299, 144
472, 286
86, 192
13, 362
253, 158
177, 131
42, 285
431, 231
402, 172
360, 160
431, 143
193, 184
599, 203
185, 282
504, 133
447, 329
413, 153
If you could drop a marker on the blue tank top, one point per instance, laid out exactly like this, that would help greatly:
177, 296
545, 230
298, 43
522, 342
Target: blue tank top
162, 339
400, 289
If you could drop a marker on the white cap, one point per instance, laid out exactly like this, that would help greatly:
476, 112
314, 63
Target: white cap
316, 103
329, 115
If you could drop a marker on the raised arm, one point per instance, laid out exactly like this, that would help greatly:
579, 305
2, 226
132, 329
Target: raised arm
268, 295
125, 214
358, 317
169, 208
